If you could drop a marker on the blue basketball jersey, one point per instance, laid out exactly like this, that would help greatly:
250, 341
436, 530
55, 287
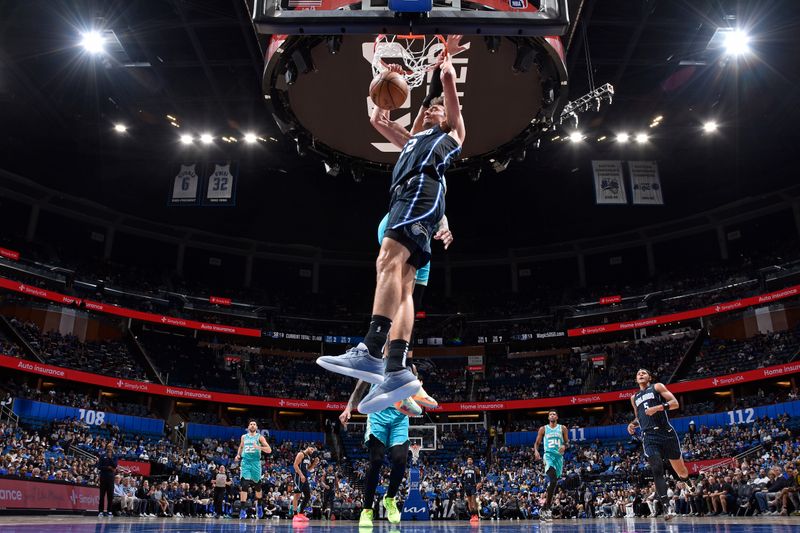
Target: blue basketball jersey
429, 152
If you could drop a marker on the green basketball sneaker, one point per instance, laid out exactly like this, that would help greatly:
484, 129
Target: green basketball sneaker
366, 518
392, 513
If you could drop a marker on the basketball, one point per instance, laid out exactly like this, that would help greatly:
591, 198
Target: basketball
388, 90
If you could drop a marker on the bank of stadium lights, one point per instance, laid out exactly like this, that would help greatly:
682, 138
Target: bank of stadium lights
250, 138
589, 101
206, 138
93, 42
737, 42
120, 128
576, 137
642, 138
186, 139
623, 137
710, 126
657, 121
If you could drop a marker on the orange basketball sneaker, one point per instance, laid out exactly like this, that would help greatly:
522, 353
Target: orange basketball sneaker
424, 399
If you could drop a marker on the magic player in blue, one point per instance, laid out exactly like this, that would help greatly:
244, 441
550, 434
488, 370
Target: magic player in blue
417, 205
659, 439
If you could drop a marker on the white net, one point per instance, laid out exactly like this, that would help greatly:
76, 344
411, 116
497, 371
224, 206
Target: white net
415, 449
416, 54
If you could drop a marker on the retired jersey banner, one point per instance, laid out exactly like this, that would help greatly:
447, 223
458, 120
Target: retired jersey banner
645, 183
220, 183
185, 186
609, 185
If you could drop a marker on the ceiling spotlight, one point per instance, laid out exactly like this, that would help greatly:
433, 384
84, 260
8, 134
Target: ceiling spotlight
601, 138
710, 126
93, 42
334, 44
120, 128
623, 137
332, 169
641, 138
737, 43
186, 139
250, 138
206, 138
492, 43
575, 137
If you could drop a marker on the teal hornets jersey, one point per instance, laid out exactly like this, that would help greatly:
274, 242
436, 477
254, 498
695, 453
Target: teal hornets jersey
250, 451
553, 439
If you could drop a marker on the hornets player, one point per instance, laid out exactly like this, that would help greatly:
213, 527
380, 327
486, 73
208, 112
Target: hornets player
659, 439
417, 205
387, 430
251, 445
556, 441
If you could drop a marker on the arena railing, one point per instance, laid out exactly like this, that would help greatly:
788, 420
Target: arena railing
87, 378
91, 305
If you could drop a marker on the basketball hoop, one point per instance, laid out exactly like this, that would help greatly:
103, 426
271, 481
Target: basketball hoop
415, 449
415, 53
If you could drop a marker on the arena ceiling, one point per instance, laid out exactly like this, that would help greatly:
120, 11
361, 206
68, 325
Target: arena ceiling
201, 63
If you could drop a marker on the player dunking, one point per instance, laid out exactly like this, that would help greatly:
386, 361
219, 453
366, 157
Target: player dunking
417, 205
410, 406
251, 445
556, 440
471, 480
304, 462
659, 438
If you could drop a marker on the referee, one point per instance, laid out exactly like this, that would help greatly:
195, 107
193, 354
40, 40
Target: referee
107, 465
659, 439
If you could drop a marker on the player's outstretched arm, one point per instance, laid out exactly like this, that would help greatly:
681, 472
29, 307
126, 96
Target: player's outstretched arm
391, 130
452, 105
359, 391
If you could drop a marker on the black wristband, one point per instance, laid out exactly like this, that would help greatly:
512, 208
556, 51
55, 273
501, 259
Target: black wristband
665, 405
435, 89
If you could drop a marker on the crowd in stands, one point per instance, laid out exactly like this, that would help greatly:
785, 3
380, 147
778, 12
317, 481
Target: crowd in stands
152, 289
182, 362
600, 478
723, 356
110, 357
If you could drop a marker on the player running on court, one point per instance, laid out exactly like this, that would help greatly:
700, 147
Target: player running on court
251, 445
417, 205
659, 439
556, 440
304, 462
